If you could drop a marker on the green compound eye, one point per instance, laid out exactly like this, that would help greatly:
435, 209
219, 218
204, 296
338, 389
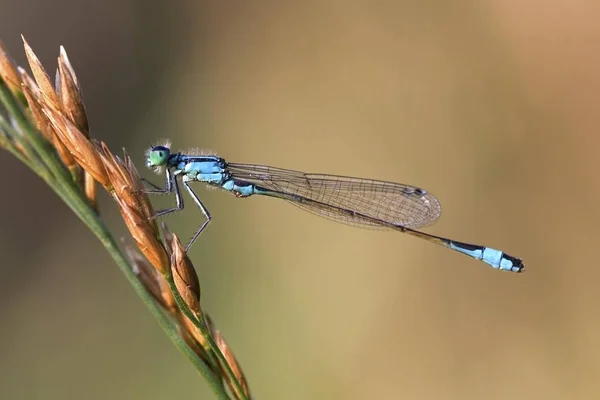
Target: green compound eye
157, 156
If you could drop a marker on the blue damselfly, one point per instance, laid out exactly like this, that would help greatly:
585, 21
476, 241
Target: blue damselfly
355, 201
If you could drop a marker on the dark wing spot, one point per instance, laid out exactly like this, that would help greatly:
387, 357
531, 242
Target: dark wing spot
412, 190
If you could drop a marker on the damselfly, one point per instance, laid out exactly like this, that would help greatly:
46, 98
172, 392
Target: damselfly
355, 201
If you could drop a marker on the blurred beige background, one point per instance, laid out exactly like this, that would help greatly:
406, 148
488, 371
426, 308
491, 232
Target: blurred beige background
494, 106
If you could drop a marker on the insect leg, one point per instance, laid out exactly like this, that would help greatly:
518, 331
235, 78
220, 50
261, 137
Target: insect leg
171, 186
204, 211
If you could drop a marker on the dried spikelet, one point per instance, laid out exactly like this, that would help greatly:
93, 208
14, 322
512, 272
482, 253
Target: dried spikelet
135, 207
185, 276
194, 332
69, 93
136, 185
36, 101
231, 360
119, 179
8, 71
40, 75
71, 99
32, 94
48, 99
125, 182
145, 273
144, 236
188, 286
79, 146
198, 349
154, 282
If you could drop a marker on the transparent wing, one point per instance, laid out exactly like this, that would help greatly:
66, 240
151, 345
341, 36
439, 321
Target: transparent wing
354, 201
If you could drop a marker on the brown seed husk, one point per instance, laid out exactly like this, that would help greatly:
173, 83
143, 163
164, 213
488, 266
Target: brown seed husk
185, 276
40, 75
145, 237
8, 71
79, 146
37, 105
70, 94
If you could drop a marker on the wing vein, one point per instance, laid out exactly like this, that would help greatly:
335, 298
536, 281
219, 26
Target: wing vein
379, 204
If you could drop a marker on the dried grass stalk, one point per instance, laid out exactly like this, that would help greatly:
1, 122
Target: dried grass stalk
159, 270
